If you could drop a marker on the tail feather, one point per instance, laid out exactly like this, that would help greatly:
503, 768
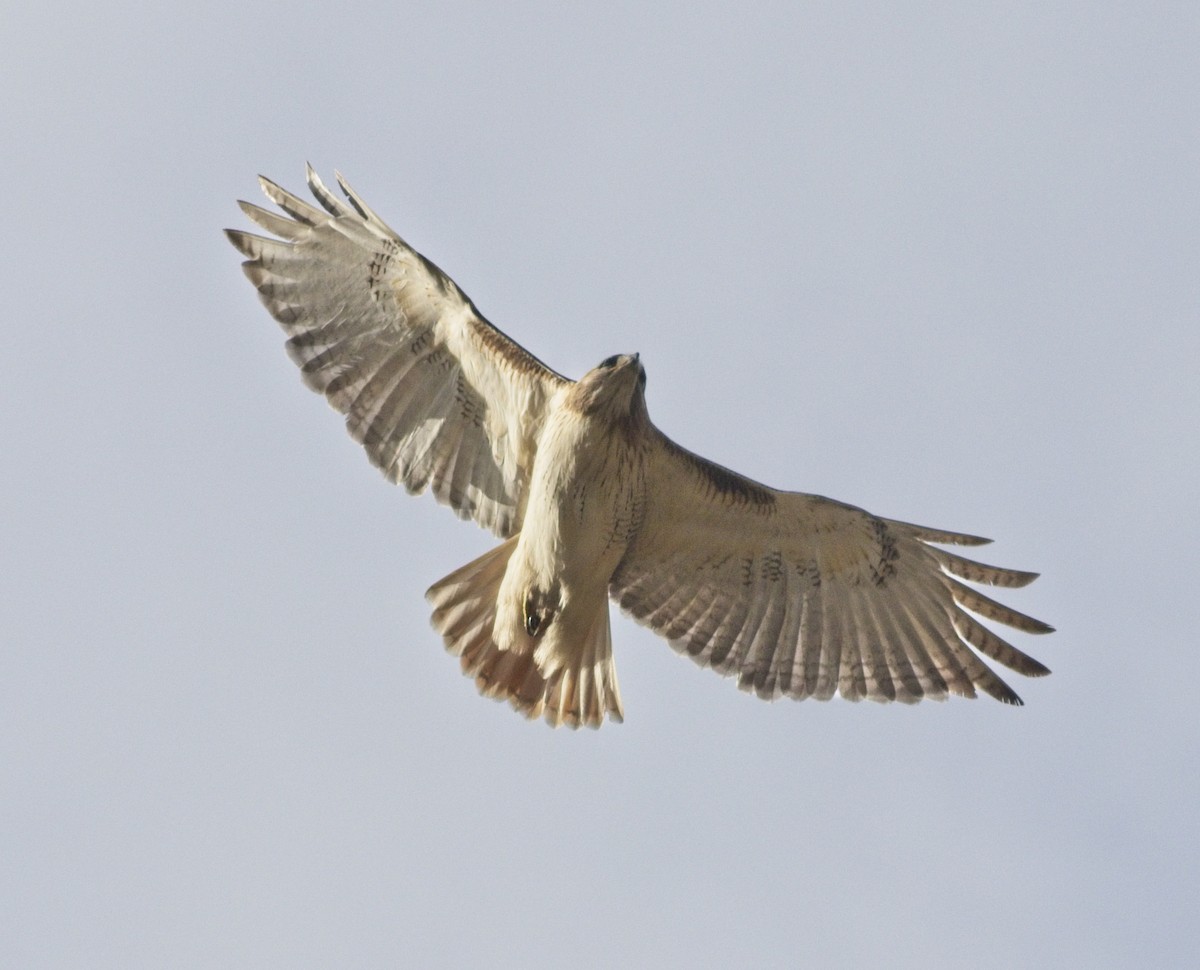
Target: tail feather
582, 688
571, 683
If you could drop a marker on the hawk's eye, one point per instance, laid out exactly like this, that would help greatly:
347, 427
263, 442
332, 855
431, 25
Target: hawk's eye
610, 361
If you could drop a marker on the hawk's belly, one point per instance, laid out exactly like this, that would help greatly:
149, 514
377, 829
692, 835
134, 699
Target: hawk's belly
585, 502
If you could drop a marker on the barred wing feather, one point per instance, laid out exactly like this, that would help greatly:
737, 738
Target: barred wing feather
438, 397
803, 596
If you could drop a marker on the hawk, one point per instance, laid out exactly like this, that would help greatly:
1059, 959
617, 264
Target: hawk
796, 595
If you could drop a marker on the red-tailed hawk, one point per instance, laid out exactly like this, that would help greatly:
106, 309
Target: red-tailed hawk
796, 595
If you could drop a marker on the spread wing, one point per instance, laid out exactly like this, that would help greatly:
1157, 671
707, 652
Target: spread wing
803, 596
437, 396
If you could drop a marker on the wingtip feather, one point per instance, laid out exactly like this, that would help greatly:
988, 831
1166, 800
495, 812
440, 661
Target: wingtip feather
240, 241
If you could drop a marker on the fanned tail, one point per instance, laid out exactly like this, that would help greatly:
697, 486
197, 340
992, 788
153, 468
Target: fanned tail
575, 687
581, 678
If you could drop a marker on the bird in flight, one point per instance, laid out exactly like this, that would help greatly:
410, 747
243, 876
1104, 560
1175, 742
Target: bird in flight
795, 595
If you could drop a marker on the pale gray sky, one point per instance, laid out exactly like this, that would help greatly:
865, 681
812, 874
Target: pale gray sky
936, 259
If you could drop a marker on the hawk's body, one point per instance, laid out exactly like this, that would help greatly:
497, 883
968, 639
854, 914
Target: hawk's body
796, 594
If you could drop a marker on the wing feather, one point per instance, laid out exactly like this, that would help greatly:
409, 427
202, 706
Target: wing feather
987, 607
987, 642
727, 623
277, 225
832, 641
785, 617
774, 637
978, 572
361, 207
904, 657
293, 205
811, 648
878, 665
801, 596
930, 624
437, 396
915, 640
852, 679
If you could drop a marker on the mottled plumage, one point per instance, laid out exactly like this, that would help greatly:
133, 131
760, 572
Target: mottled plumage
796, 595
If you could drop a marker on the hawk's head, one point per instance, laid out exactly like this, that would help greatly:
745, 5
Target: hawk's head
616, 386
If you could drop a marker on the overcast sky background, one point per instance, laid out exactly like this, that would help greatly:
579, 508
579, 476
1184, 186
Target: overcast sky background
936, 259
